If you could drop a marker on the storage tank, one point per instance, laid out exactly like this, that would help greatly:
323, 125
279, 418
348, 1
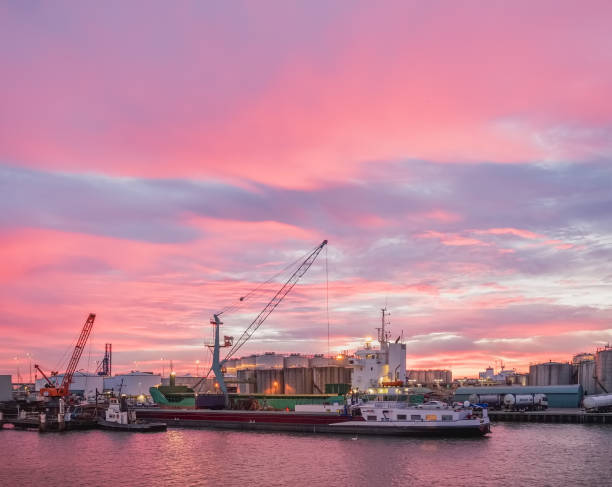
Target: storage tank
518, 401
246, 363
603, 370
270, 381
269, 360
523, 401
532, 377
509, 400
230, 367
581, 357
329, 375
319, 361
598, 403
247, 383
298, 380
586, 376
550, 374
521, 379
295, 360
493, 400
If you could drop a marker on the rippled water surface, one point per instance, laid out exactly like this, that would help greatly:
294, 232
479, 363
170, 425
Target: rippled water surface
515, 454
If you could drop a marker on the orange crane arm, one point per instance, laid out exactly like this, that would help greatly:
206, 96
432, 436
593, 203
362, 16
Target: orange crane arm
76, 354
37, 367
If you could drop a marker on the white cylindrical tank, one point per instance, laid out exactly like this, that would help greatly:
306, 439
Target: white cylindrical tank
586, 376
268, 361
296, 361
523, 400
246, 363
603, 369
491, 399
551, 374
319, 361
509, 400
598, 402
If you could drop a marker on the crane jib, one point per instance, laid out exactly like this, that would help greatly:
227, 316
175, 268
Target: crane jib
275, 301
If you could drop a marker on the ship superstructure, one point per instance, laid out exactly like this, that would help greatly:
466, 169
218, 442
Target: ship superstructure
384, 366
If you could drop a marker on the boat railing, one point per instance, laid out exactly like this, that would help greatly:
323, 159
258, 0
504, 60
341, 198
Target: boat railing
393, 405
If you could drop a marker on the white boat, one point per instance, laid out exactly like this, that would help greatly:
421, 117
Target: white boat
429, 419
119, 418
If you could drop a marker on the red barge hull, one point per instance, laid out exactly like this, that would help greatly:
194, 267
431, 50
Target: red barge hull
290, 421
244, 420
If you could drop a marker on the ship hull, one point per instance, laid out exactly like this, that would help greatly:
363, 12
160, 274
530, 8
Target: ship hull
300, 422
132, 427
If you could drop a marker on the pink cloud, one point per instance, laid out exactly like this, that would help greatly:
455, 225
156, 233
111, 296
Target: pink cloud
526, 234
350, 95
510, 231
452, 239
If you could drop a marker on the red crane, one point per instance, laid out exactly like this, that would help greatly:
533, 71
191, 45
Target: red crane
64, 389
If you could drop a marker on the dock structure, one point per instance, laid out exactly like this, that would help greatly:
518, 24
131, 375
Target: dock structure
557, 415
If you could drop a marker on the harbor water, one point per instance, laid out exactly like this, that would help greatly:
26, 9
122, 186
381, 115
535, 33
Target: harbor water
514, 454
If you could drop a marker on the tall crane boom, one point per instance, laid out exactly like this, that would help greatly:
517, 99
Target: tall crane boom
64, 389
78, 350
275, 301
217, 364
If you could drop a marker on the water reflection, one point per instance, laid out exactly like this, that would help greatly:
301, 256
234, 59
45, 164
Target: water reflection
525, 454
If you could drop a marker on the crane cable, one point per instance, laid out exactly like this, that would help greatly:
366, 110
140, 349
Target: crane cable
327, 299
242, 299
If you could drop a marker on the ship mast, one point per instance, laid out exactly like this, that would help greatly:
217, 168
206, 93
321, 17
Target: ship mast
383, 335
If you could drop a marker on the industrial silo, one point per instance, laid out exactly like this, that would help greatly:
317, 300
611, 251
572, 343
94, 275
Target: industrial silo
551, 374
586, 376
603, 370
270, 381
246, 381
269, 360
319, 361
295, 360
246, 363
532, 379
322, 376
298, 380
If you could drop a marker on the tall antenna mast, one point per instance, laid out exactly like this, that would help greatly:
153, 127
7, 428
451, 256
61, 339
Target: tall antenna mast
383, 335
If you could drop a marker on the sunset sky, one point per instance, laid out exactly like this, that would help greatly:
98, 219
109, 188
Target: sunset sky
160, 159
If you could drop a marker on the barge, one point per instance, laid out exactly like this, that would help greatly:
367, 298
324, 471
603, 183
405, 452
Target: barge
375, 418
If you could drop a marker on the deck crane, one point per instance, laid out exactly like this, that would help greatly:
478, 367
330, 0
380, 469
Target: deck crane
217, 364
63, 389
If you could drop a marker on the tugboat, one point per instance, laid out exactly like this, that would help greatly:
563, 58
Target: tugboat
119, 418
